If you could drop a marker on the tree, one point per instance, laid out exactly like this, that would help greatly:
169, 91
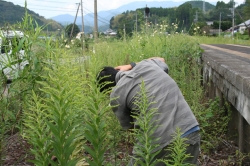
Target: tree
247, 13
68, 29
247, 9
221, 5
184, 14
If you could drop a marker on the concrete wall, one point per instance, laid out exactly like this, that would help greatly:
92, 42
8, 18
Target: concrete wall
222, 77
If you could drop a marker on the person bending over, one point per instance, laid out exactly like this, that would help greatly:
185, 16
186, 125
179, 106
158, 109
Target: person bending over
172, 110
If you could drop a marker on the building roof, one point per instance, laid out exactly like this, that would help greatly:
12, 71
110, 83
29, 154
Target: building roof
246, 22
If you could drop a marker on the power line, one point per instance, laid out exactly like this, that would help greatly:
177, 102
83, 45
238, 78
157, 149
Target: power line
105, 22
98, 15
50, 10
56, 1
50, 7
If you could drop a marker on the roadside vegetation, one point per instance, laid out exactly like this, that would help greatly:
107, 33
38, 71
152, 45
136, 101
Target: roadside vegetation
55, 105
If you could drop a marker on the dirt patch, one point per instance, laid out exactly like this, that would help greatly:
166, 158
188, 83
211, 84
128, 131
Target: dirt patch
17, 153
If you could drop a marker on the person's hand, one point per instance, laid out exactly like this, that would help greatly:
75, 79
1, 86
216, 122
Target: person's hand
162, 59
123, 67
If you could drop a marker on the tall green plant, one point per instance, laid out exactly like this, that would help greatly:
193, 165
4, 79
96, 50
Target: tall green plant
23, 81
95, 131
53, 120
37, 131
177, 151
145, 145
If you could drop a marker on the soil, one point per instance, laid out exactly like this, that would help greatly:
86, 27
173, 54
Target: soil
16, 153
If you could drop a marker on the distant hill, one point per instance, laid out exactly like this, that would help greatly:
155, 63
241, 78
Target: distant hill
105, 16
11, 14
200, 4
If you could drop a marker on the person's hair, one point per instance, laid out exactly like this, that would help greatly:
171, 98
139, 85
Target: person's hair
106, 78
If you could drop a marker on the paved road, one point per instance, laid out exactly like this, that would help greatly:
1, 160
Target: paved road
234, 51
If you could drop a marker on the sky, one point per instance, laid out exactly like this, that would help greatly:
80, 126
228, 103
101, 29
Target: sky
51, 8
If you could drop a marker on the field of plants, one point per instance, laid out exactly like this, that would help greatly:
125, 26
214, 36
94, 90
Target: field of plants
54, 114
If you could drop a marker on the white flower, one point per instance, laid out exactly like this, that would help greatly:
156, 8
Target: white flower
198, 27
172, 23
195, 29
204, 32
67, 46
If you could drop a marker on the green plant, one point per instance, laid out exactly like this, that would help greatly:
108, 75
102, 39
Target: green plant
241, 157
53, 120
145, 145
95, 125
177, 151
56, 74
213, 116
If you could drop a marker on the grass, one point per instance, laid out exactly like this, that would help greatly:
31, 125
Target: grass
222, 40
55, 104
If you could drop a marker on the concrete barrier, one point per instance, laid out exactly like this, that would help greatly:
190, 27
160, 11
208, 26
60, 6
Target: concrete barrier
228, 77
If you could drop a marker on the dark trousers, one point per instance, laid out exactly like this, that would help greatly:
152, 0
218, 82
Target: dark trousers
193, 141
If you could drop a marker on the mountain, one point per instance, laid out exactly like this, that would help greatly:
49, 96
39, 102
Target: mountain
201, 4
105, 16
11, 14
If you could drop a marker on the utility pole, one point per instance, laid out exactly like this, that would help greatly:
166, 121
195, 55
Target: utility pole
233, 18
82, 18
136, 22
124, 31
82, 35
232, 10
74, 21
147, 14
220, 24
247, 27
95, 21
196, 17
204, 6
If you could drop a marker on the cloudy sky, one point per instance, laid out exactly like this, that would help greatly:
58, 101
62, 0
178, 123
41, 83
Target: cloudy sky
51, 8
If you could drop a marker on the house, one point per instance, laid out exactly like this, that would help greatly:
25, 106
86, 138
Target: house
110, 32
209, 23
242, 27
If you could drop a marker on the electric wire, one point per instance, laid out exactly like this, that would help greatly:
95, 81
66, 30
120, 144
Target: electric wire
53, 8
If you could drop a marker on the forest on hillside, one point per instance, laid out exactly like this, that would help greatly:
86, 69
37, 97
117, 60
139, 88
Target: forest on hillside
185, 16
11, 14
